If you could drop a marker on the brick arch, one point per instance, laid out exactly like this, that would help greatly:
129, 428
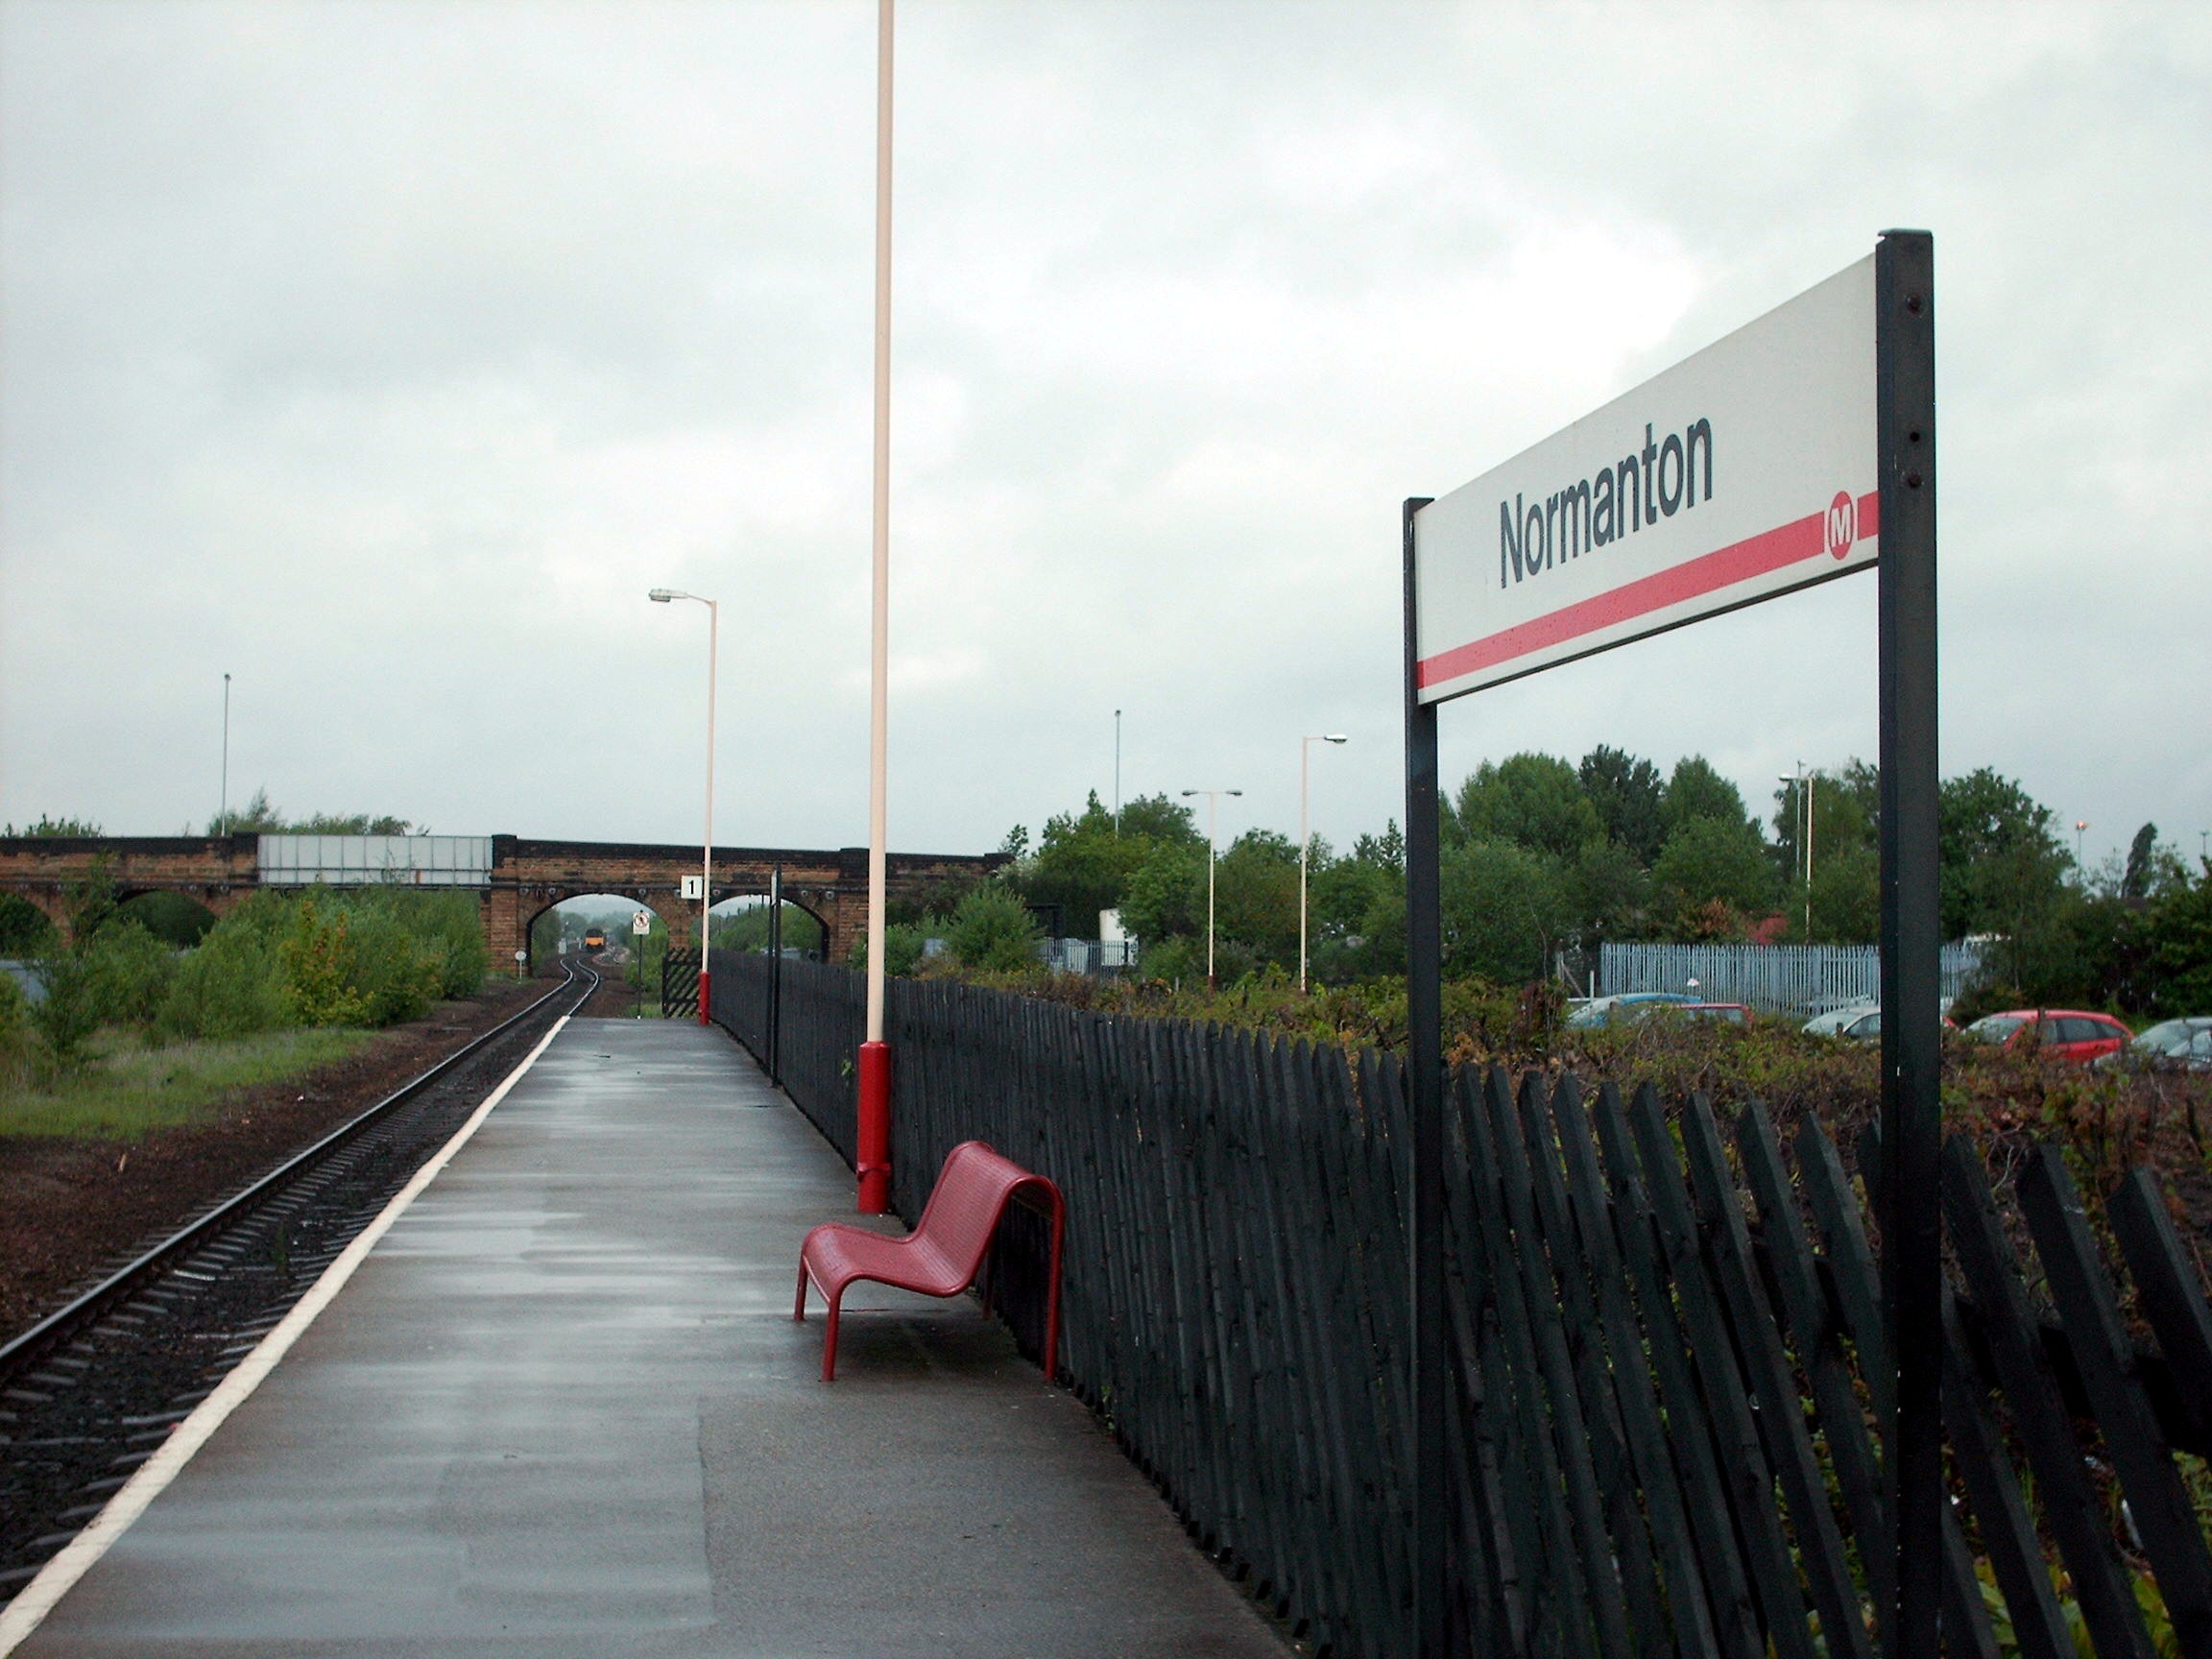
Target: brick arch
658, 903
791, 897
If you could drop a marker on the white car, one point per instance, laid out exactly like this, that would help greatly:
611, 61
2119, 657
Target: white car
1861, 1022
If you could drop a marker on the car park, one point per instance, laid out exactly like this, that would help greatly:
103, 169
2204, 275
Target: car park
2170, 1045
2068, 1034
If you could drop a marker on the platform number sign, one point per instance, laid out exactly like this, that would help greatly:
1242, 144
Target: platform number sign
695, 886
641, 924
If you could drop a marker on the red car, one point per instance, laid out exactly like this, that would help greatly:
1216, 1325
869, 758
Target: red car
2057, 1033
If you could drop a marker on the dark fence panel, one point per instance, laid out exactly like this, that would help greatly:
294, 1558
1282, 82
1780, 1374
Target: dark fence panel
1666, 1334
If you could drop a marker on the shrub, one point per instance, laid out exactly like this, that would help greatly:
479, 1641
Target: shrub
127, 974
230, 985
17, 1036
993, 930
69, 1014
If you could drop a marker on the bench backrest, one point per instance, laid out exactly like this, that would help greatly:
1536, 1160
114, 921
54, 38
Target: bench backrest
972, 1190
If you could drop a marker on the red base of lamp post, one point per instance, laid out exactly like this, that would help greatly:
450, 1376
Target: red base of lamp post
706, 1002
873, 1163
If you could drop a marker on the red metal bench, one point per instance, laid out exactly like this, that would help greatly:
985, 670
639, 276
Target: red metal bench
942, 1256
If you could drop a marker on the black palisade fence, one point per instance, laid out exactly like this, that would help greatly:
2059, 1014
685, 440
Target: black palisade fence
1667, 1332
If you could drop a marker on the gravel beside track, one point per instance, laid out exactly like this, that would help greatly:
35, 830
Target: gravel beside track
78, 1416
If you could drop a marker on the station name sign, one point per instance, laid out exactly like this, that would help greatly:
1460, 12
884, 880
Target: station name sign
1744, 472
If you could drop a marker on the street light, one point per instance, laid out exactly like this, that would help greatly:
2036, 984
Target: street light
661, 596
1305, 836
1804, 782
223, 812
2081, 827
1212, 800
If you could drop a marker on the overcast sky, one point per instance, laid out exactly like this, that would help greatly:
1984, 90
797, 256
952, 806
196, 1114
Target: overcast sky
384, 355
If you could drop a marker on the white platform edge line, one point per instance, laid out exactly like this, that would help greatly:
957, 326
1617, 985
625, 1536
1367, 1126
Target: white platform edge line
37, 1599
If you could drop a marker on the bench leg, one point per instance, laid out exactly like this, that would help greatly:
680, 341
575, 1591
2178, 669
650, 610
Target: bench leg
798, 1307
830, 1342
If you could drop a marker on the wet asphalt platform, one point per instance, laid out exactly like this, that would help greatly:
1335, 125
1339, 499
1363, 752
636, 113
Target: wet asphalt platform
562, 1409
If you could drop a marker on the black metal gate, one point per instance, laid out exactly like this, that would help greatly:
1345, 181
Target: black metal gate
679, 984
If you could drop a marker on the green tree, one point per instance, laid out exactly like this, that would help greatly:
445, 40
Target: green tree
1506, 908
1167, 895
1611, 893
1714, 859
24, 929
1533, 800
2177, 934
1256, 896
1357, 905
992, 932
1628, 795
2002, 867
1846, 817
1695, 791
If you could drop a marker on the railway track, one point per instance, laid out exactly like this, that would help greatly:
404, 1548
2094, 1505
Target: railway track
92, 1389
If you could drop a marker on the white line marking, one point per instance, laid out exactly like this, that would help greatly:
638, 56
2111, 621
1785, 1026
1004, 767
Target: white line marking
36, 1599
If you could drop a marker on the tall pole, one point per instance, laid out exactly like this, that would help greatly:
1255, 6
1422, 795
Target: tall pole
706, 841
1911, 937
1213, 843
1212, 800
873, 1150
1116, 773
1305, 837
222, 810
1810, 778
1425, 1454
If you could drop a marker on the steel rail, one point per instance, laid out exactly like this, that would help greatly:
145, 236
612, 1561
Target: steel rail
63, 1320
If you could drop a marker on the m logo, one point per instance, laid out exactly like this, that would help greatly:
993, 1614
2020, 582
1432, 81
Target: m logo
1841, 527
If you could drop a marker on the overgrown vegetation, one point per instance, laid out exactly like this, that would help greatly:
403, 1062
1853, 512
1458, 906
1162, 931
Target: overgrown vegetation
352, 957
125, 1089
1542, 856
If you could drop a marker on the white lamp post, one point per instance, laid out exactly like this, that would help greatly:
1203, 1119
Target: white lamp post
1306, 836
661, 596
1212, 800
1803, 779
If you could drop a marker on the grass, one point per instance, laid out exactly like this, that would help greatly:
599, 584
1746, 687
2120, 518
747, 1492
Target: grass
127, 1089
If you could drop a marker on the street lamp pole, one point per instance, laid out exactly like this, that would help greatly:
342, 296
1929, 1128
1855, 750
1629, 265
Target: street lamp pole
1116, 773
2081, 828
872, 1126
1212, 800
1801, 781
1306, 836
222, 810
662, 596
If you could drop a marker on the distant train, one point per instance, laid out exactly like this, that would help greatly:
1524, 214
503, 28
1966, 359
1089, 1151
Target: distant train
594, 939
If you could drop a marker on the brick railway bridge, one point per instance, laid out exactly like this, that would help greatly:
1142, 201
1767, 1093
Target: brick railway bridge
516, 879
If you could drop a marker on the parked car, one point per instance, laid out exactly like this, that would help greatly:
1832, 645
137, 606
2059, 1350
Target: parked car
1617, 1010
1726, 1013
2170, 1045
2058, 1033
1861, 1022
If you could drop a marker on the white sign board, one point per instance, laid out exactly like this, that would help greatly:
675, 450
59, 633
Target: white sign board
695, 886
641, 924
1739, 474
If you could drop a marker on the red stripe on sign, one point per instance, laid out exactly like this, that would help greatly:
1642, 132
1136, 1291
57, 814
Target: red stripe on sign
1770, 550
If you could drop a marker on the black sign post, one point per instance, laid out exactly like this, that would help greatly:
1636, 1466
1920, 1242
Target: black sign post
1425, 1104
1911, 933
1911, 930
